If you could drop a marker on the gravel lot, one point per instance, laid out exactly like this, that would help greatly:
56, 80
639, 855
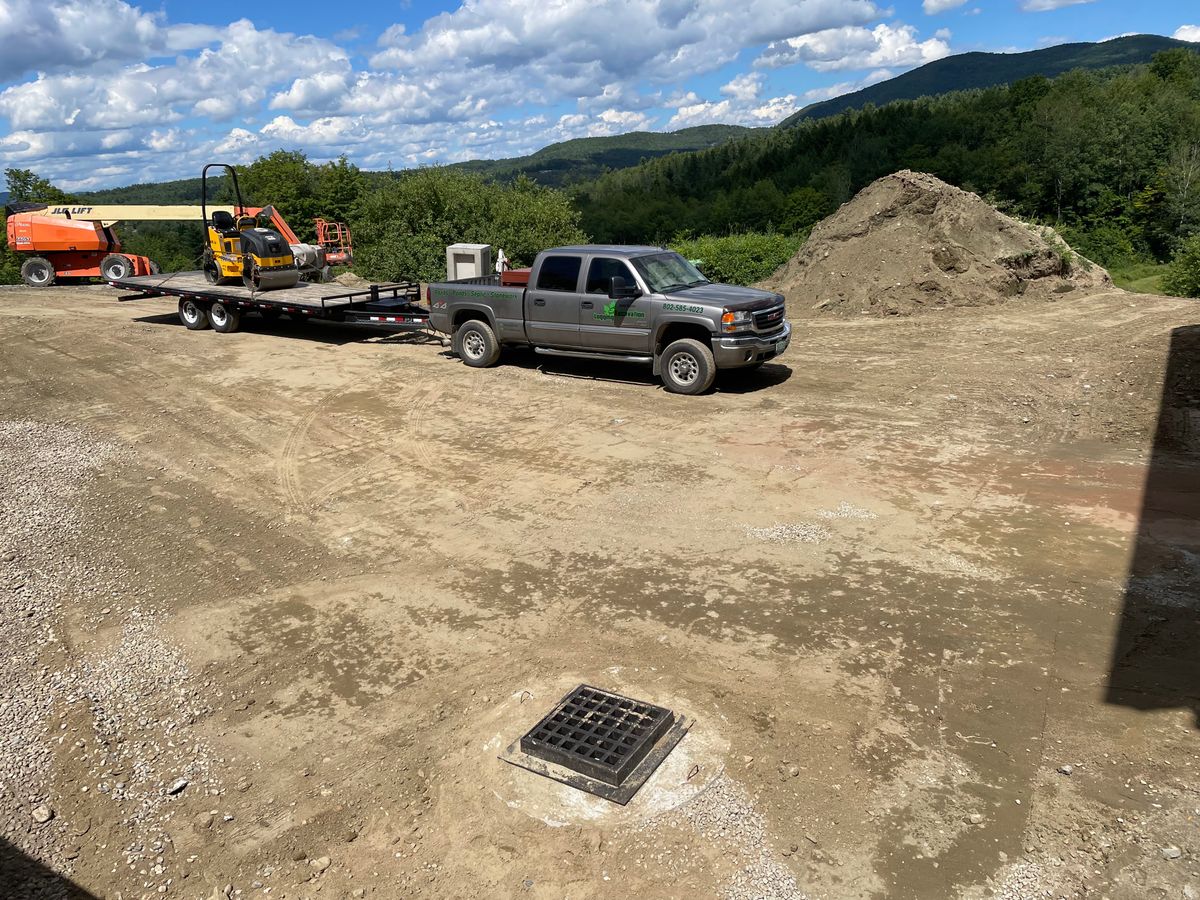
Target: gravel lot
265, 596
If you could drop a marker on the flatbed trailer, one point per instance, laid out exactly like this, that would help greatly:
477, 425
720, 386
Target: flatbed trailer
390, 307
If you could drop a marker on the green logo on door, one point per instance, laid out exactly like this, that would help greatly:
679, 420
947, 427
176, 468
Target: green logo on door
610, 311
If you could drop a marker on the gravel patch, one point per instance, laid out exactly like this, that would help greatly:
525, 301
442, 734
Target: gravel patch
118, 709
724, 815
790, 533
847, 510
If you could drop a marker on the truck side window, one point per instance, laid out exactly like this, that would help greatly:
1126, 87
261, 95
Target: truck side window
559, 273
602, 270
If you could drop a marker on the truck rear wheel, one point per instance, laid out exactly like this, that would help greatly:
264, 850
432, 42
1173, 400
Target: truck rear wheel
688, 367
476, 345
223, 318
116, 266
192, 314
37, 272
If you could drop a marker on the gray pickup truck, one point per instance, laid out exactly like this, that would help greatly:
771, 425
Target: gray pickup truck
632, 304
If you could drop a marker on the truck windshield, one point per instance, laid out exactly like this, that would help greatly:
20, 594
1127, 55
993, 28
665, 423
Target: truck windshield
666, 272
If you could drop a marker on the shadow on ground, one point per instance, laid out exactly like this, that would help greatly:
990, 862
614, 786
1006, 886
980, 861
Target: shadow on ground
1156, 657
24, 878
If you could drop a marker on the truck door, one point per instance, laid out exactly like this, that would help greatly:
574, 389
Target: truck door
606, 324
552, 304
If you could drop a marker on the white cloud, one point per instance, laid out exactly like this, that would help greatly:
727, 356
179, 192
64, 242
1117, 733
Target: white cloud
933, 7
846, 87
743, 105
200, 85
1047, 5
1187, 33
854, 47
64, 34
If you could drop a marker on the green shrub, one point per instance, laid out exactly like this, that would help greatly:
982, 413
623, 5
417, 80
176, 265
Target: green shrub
402, 228
740, 258
1183, 274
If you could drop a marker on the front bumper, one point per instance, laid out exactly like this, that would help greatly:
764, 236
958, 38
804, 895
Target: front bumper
748, 349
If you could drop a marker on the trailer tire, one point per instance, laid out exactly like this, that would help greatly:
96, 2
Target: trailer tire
224, 319
192, 314
476, 345
116, 266
37, 272
688, 367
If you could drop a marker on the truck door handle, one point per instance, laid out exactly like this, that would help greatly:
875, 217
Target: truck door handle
587, 304
539, 301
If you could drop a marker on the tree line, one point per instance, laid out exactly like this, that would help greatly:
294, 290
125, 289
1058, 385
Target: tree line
1111, 157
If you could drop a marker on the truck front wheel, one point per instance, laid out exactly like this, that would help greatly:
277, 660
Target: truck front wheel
688, 367
476, 345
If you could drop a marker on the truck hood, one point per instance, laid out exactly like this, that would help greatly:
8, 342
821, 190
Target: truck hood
728, 295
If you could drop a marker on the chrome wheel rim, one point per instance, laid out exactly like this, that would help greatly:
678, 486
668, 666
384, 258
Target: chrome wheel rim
684, 368
473, 344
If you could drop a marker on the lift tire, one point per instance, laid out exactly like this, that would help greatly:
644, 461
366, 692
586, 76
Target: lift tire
223, 319
37, 272
155, 268
688, 367
476, 345
116, 266
192, 314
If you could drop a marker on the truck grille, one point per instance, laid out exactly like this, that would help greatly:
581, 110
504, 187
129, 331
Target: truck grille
769, 319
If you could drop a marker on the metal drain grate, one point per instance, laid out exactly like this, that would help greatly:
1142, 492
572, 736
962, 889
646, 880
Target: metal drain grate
600, 742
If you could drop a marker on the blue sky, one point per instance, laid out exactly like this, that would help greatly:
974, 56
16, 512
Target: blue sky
96, 93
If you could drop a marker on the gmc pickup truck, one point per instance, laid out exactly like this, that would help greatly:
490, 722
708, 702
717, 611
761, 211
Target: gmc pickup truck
632, 304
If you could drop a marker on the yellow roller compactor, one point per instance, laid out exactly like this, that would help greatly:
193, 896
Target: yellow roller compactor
238, 249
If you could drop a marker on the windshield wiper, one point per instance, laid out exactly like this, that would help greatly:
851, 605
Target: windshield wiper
673, 286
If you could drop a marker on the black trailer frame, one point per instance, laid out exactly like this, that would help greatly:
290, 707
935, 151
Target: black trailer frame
391, 307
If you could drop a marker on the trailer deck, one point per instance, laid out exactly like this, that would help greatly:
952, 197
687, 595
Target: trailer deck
391, 306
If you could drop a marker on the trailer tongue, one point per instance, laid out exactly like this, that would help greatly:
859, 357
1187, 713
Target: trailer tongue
391, 307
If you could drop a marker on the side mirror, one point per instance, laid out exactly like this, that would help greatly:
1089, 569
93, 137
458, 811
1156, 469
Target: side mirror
619, 289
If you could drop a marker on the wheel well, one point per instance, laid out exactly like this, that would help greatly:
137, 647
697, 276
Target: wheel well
677, 330
466, 315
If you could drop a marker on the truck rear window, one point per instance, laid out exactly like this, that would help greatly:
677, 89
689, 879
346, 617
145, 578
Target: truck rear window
559, 273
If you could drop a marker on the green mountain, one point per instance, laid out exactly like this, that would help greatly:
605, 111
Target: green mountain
585, 158
980, 70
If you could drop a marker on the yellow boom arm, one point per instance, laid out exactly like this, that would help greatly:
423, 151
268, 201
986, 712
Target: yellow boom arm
108, 215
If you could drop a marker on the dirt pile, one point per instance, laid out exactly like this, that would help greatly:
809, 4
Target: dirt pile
911, 242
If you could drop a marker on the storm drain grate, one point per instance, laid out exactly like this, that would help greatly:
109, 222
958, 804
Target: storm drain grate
600, 742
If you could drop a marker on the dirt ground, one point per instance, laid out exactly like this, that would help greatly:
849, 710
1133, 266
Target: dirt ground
324, 578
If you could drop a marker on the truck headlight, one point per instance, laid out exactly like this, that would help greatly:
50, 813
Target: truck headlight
733, 322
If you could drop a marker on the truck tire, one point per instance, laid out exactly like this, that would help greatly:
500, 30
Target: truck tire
688, 367
476, 345
37, 272
222, 318
115, 266
192, 314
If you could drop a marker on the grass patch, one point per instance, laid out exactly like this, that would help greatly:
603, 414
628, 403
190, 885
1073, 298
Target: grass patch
1139, 277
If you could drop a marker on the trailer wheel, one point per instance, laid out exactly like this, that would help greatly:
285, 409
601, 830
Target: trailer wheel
223, 318
37, 272
115, 266
688, 367
192, 314
476, 345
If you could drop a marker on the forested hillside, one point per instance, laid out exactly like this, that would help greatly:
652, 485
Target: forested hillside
586, 158
967, 71
1112, 156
